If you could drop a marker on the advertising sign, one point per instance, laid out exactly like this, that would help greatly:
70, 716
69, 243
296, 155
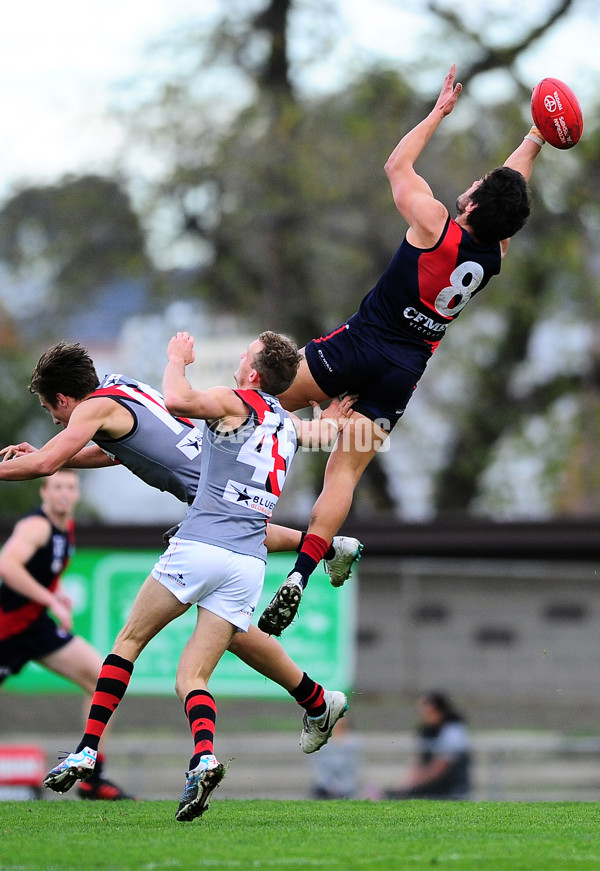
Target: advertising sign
103, 584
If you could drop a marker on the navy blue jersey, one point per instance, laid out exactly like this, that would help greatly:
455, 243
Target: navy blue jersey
422, 291
381, 352
46, 565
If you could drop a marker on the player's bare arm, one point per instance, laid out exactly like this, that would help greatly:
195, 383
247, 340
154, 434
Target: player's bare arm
323, 429
182, 399
29, 535
91, 457
86, 420
523, 157
522, 160
412, 195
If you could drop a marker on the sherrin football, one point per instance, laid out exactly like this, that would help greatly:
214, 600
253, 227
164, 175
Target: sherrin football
556, 113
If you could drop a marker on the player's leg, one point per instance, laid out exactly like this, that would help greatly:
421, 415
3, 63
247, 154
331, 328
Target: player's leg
154, 607
77, 661
266, 656
358, 443
280, 538
338, 561
304, 389
80, 663
207, 644
226, 587
383, 395
343, 551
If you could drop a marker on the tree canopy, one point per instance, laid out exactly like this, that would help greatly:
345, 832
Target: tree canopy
281, 195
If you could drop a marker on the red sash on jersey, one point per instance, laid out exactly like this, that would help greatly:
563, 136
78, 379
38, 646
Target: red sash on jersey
14, 622
115, 391
259, 407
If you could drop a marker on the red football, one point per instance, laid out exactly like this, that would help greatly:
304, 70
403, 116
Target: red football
556, 113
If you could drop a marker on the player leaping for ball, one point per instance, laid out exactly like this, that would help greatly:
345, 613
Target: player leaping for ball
381, 352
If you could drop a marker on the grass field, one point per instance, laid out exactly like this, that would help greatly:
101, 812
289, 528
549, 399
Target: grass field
274, 835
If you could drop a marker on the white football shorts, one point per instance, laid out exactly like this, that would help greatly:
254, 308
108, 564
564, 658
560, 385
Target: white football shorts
226, 583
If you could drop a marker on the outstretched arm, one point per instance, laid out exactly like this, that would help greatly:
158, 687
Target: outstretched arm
91, 457
522, 160
323, 429
84, 423
524, 155
412, 195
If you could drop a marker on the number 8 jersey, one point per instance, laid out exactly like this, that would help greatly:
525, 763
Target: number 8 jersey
242, 473
422, 291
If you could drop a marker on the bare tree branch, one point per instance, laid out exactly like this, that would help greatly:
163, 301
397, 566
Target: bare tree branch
497, 57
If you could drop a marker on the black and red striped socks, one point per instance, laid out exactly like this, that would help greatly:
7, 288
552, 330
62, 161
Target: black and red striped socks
201, 711
113, 681
310, 696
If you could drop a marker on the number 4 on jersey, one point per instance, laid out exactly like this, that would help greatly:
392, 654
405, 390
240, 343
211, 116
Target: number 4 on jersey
270, 450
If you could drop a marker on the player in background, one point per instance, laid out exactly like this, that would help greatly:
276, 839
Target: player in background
217, 558
381, 351
31, 564
129, 424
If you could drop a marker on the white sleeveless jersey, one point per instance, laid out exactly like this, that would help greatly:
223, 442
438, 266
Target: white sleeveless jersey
162, 450
241, 477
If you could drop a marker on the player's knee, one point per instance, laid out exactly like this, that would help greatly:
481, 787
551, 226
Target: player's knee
236, 643
184, 684
128, 645
180, 690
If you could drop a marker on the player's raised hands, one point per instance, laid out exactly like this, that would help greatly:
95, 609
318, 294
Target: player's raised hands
449, 93
181, 347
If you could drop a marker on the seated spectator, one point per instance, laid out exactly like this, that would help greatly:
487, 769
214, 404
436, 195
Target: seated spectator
442, 770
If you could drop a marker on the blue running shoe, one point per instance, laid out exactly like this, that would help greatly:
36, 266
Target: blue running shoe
199, 786
74, 767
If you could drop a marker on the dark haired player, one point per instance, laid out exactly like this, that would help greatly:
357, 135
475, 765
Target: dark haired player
381, 352
31, 563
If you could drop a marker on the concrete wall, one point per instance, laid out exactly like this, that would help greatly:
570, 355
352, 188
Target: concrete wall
522, 631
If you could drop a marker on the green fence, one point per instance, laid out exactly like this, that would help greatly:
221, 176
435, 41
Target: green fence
103, 584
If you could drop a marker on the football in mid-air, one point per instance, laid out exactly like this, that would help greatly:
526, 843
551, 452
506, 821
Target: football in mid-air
556, 113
